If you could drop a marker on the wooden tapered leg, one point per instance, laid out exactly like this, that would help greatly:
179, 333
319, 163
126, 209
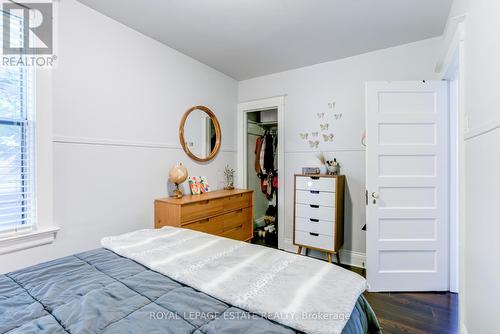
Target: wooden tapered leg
307, 251
300, 250
329, 257
338, 257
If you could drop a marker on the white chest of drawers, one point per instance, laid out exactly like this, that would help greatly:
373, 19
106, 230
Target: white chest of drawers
319, 213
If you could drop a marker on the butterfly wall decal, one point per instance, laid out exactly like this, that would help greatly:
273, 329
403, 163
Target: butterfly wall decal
329, 137
324, 127
315, 134
321, 115
331, 105
337, 116
304, 135
313, 144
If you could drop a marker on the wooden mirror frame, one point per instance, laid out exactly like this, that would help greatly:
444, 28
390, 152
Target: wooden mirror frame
217, 134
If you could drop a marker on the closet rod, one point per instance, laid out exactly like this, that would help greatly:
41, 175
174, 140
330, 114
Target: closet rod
264, 123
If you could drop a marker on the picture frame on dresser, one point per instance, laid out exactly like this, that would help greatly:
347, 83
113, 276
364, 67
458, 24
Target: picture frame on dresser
318, 213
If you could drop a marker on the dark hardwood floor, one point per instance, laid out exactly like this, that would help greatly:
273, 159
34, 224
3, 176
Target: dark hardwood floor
415, 312
419, 313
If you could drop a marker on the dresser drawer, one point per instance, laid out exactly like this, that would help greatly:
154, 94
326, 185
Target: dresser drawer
315, 212
241, 232
314, 226
219, 224
315, 183
236, 218
201, 209
314, 240
238, 201
315, 197
208, 225
226, 222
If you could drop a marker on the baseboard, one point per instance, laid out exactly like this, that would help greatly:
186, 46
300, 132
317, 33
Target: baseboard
353, 258
349, 257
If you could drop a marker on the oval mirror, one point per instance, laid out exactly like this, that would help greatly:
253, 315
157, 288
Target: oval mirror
199, 133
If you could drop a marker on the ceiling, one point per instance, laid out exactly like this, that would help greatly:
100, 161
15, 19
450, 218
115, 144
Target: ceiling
250, 38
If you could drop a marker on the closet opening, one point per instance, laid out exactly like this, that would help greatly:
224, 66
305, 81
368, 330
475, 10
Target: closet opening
255, 119
262, 173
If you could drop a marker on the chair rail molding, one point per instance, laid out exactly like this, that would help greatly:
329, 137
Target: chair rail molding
118, 142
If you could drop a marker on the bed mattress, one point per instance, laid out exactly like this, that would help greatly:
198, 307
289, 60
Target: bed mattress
101, 292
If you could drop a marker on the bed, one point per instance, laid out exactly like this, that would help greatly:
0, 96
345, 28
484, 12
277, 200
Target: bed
100, 291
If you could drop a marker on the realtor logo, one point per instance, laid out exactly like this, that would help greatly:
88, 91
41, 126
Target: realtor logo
27, 28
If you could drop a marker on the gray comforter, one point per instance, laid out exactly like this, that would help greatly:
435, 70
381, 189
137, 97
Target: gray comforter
101, 292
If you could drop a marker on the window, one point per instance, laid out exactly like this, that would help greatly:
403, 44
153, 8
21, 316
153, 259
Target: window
17, 144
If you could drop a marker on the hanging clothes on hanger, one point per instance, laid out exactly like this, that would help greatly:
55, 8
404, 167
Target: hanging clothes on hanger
258, 147
269, 153
262, 154
275, 145
266, 162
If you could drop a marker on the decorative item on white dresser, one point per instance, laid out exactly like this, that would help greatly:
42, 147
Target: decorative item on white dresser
319, 213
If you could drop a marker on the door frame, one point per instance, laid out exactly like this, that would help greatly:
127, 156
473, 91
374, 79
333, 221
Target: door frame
452, 59
244, 108
452, 69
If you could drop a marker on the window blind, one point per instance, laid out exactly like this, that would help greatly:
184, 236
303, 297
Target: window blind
17, 140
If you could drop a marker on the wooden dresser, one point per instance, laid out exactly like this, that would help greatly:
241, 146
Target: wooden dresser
319, 213
227, 213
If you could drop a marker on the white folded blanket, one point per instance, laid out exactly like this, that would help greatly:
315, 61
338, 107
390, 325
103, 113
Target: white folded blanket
300, 292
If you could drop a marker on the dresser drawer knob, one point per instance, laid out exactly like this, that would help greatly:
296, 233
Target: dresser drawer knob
314, 220
314, 234
314, 206
315, 177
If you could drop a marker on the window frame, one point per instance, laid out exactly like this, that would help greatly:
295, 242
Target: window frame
45, 230
27, 220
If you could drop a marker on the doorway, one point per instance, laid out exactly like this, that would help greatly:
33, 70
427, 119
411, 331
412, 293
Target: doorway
262, 174
261, 166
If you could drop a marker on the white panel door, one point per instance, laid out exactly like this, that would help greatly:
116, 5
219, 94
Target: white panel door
407, 186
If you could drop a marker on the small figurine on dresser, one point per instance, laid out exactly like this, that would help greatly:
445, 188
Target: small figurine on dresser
332, 167
229, 176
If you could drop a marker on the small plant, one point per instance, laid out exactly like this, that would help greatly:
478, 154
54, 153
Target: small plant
321, 158
229, 175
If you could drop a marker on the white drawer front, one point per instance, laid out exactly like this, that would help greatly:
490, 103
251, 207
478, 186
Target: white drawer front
316, 183
314, 225
317, 241
315, 212
315, 197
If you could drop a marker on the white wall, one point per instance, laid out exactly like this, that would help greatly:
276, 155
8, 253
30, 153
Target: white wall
308, 91
480, 270
124, 93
